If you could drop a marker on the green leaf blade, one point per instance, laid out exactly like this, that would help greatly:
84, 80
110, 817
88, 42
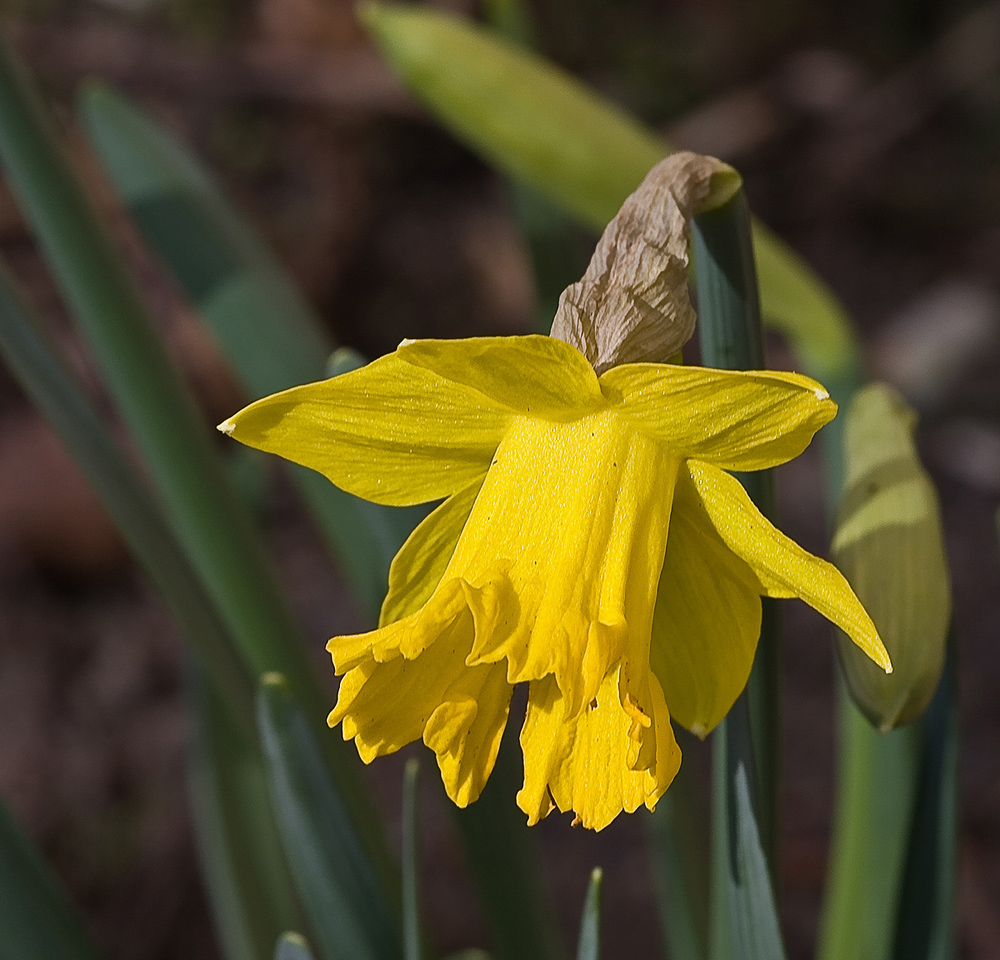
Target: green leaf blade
349, 910
539, 125
744, 921
589, 942
248, 884
517, 110
264, 326
36, 916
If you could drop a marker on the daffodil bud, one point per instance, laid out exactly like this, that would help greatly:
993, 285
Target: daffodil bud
889, 545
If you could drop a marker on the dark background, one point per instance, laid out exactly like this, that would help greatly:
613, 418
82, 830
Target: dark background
869, 134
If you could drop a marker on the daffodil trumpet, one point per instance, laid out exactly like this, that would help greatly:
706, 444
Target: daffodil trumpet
590, 544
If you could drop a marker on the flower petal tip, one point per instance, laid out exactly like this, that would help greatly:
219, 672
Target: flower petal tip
227, 427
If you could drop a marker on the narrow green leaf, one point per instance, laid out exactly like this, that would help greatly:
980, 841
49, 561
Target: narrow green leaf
292, 946
412, 945
890, 545
744, 921
344, 360
247, 880
156, 406
730, 337
266, 329
539, 125
349, 909
214, 533
752, 905
589, 944
33, 359
516, 109
37, 918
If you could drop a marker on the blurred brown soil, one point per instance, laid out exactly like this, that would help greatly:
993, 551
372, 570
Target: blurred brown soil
879, 163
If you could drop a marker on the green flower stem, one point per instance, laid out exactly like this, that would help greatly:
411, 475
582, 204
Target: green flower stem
215, 534
893, 858
926, 923
890, 891
875, 797
746, 748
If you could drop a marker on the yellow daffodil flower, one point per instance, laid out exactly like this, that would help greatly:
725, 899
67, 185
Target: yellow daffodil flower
590, 544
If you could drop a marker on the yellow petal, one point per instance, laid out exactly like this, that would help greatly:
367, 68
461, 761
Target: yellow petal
459, 711
408, 637
735, 420
781, 564
584, 764
707, 618
416, 570
390, 432
563, 548
465, 733
534, 375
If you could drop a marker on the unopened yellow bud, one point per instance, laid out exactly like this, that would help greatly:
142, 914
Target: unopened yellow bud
889, 545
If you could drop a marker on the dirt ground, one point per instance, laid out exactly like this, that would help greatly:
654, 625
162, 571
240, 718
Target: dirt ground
871, 143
